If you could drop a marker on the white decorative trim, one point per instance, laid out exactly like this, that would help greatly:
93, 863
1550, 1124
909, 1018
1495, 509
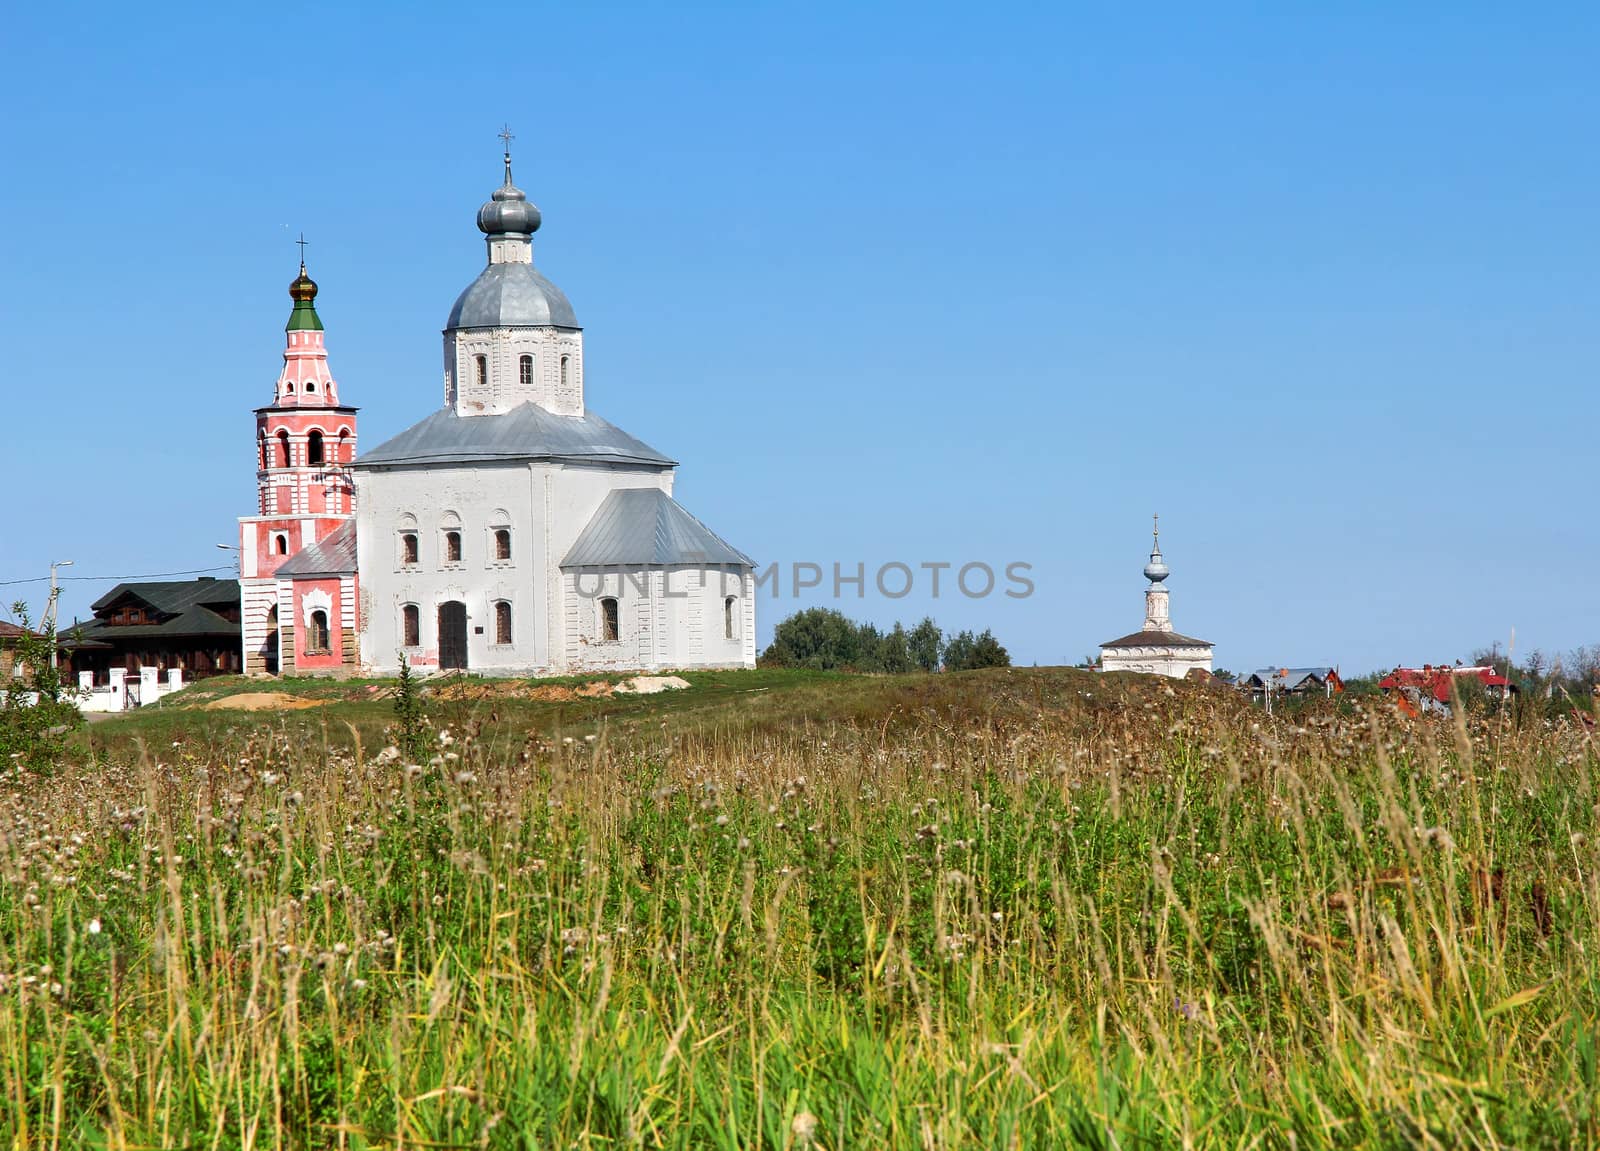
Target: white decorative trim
313, 600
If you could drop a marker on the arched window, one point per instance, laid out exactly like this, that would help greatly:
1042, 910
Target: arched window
317, 633
280, 544
283, 449
290, 387
610, 621
343, 456
564, 361
311, 385
729, 618
502, 544
483, 370
410, 626
262, 443
525, 371
314, 448
502, 622
408, 548
452, 547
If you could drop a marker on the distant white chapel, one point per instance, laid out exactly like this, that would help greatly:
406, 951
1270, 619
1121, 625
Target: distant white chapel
513, 530
1156, 648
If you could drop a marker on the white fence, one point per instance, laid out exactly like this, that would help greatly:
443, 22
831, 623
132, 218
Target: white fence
122, 693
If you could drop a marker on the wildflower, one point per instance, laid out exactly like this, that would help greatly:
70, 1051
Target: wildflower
94, 927
804, 1127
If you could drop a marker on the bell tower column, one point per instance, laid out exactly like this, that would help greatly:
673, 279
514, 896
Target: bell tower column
304, 443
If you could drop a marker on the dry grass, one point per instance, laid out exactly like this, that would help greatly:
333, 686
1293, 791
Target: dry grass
1011, 914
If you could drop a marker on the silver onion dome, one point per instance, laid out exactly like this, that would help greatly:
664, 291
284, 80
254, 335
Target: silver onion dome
1156, 570
508, 210
509, 293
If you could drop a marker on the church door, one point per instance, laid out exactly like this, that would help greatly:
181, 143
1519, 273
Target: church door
452, 635
270, 652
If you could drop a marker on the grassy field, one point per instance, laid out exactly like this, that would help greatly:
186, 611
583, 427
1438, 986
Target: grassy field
1014, 908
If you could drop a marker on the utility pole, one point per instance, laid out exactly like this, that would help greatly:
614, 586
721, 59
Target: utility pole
50, 610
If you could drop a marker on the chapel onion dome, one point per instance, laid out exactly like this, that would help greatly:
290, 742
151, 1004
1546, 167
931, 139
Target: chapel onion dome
1156, 570
303, 291
508, 210
509, 293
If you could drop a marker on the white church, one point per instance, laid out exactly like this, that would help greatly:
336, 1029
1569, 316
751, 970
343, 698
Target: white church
511, 531
1157, 648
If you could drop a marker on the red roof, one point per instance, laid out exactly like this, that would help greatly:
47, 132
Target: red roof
1437, 680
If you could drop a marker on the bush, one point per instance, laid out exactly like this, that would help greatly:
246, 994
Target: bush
34, 718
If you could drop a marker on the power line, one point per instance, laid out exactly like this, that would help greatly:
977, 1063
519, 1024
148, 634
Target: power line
119, 578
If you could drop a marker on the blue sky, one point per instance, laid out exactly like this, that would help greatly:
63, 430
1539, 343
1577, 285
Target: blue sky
909, 283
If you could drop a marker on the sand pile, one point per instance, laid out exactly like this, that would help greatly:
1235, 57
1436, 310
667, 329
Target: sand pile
262, 701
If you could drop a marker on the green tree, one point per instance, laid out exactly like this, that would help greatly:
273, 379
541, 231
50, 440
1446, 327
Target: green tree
925, 644
894, 652
816, 638
966, 652
34, 718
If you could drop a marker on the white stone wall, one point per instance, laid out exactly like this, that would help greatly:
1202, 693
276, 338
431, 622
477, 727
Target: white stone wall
545, 505
257, 597
1176, 662
673, 617
503, 349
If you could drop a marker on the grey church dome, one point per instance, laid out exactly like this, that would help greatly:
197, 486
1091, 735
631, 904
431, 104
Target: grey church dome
509, 293
508, 296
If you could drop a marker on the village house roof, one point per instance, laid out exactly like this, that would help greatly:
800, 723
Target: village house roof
526, 432
1437, 679
636, 526
1289, 678
1152, 638
334, 554
181, 608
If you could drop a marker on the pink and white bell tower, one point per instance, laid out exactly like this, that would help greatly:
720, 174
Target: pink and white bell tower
305, 442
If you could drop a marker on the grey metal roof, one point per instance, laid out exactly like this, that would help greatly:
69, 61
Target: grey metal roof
509, 296
646, 526
526, 432
333, 554
1157, 639
1290, 677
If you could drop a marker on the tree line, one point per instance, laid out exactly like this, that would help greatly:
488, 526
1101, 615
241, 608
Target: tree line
828, 640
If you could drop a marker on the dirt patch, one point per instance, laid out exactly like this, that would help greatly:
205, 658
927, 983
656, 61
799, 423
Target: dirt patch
261, 701
650, 684
481, 689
